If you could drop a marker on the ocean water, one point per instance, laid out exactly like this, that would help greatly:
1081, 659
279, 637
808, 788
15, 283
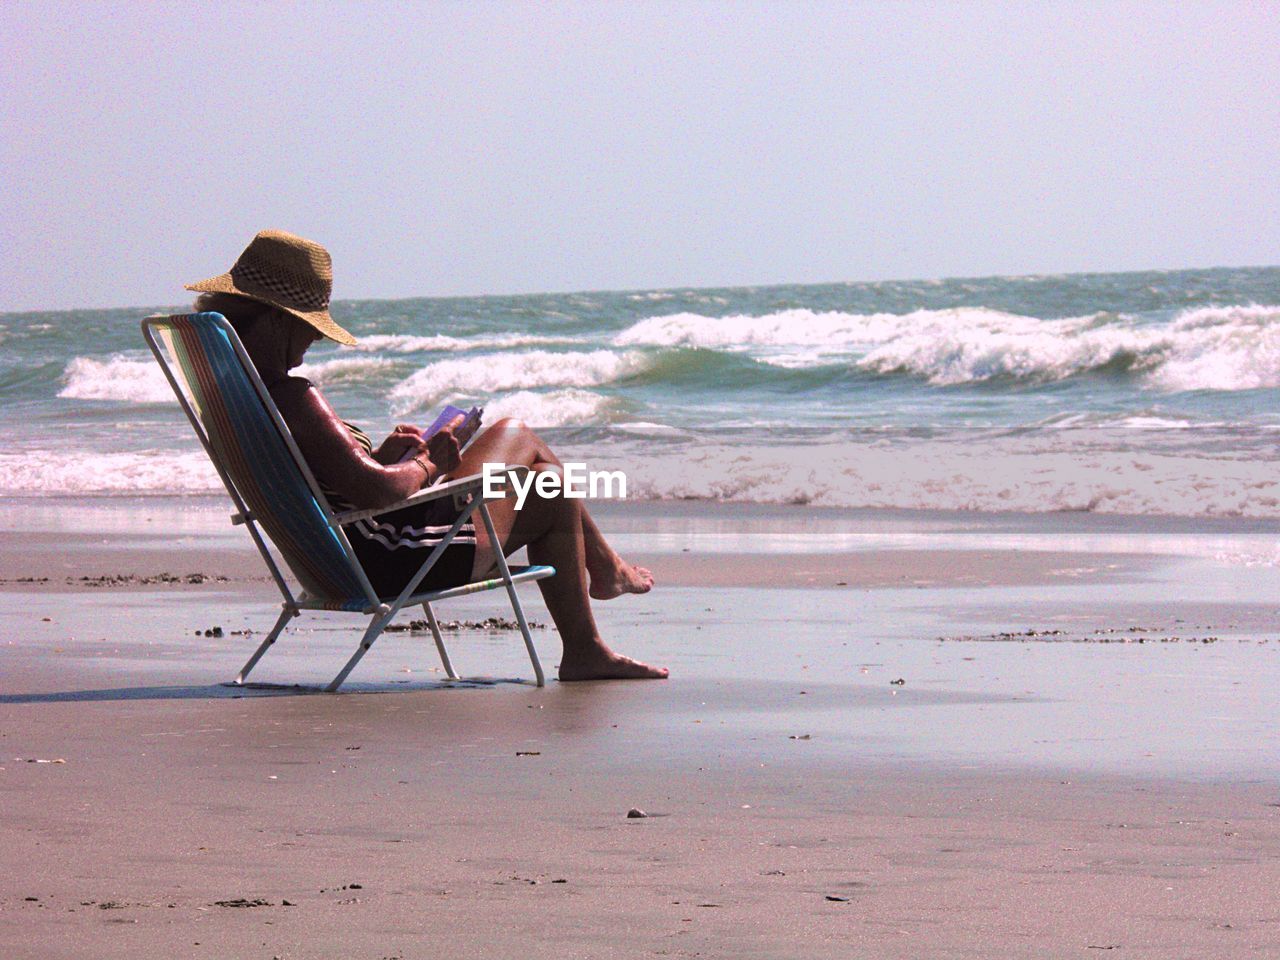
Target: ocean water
1153, 393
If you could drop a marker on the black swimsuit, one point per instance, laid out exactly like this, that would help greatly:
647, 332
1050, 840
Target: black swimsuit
393, 546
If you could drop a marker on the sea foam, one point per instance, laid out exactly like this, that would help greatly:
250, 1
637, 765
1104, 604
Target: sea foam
442, 343
118, 378
787, 328
69, 472
341, 369
1222, 348
1212, 348
556, 408
944, 476
990, 475
471, 377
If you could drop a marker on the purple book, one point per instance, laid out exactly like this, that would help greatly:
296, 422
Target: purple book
468, 428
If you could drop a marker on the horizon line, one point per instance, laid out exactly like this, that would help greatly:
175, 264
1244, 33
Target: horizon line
691, 288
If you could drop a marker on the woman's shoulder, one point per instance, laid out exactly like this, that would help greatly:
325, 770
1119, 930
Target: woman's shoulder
291, 387
298, 397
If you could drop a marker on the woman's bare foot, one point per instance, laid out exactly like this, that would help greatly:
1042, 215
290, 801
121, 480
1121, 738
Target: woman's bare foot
620, 578
603, 664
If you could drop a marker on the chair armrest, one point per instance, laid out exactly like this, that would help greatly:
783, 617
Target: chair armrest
457, 488
463, 485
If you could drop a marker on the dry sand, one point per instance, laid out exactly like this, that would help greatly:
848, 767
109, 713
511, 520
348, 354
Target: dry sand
1042, 796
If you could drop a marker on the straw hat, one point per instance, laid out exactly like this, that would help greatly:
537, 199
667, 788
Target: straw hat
285, 271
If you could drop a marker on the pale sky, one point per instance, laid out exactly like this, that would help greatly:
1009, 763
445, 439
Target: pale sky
468, 148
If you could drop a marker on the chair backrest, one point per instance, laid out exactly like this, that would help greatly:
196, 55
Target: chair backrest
251, 446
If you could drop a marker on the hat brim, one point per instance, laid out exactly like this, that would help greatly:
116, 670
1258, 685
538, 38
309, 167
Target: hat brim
319, 319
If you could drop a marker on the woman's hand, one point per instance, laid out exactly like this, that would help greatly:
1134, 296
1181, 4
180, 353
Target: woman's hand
443, 449
404, 442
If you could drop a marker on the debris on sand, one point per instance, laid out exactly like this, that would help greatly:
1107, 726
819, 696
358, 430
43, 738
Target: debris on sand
132, 579
492, 623
1136, 634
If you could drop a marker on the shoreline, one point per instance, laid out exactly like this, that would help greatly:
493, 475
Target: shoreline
71, 562
212, 509
692, 543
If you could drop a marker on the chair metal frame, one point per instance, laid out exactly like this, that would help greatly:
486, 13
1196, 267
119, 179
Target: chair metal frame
466, 492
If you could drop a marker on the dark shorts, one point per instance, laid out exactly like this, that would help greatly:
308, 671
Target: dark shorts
395, 548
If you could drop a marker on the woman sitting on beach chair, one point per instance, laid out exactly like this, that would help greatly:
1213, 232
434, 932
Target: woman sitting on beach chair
277, 297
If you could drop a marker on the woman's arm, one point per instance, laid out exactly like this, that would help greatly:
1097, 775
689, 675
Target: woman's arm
338, 461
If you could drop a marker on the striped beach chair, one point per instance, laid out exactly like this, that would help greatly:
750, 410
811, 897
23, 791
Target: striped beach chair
276, 495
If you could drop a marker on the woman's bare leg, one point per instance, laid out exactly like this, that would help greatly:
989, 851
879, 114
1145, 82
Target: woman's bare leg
558, 532
511, 442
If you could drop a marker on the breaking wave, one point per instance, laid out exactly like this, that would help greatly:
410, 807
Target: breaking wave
63, 472
557, 408
1210, 348
342, 369
499, 372
119, 379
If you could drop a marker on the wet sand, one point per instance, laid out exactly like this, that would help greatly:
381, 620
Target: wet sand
961, 752
45, 562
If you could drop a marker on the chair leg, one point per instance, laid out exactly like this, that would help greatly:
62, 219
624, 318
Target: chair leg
435, 632
511, 592
370, 635
286, 615
524, 632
